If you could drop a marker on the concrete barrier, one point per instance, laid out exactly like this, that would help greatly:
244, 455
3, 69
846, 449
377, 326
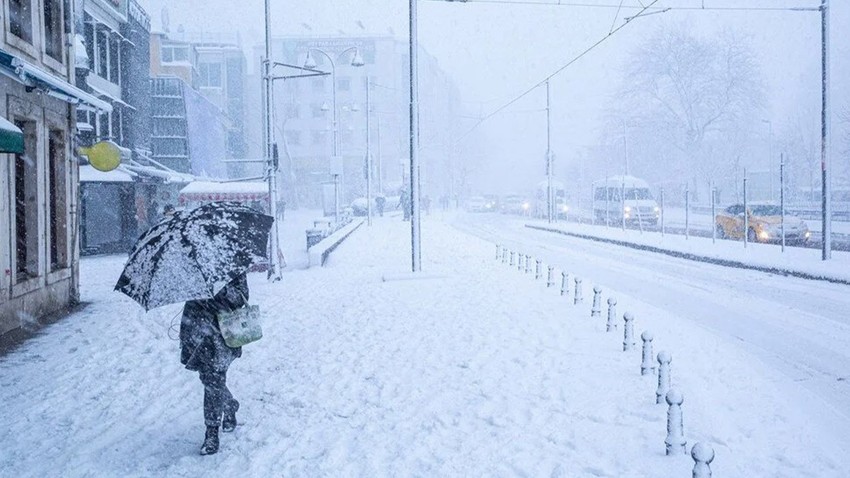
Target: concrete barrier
319, 252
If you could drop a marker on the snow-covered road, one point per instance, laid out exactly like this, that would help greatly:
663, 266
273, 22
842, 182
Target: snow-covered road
799, 327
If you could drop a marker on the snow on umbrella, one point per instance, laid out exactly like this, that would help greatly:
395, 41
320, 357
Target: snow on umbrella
194, 254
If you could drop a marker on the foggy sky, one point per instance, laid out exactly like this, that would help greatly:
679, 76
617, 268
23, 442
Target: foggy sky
496, 51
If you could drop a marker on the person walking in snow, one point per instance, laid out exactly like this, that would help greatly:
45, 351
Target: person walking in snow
202, 349
404, 203
380, 201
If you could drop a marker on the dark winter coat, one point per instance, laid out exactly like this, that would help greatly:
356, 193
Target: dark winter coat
202, 347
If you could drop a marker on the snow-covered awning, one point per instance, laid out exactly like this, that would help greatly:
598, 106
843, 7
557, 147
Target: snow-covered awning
11, 137
34, 77
233, 191
90, 175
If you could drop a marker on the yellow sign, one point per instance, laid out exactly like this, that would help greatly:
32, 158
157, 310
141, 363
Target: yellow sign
103, 156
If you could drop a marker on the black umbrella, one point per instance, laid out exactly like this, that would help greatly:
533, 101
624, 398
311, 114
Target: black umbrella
194, 254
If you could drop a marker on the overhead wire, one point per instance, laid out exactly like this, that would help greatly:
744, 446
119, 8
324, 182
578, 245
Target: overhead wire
556, 72
557, 3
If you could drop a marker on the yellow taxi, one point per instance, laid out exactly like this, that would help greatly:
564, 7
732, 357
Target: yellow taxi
763, 224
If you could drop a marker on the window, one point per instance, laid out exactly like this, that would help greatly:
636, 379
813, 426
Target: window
20, 19
316, 108
318, 137
88, 32
318, 84
210, 75
58, 203
172, 54
53, 29
103, 124
26, 205
115, 60
344, 84
116, 126
102, 53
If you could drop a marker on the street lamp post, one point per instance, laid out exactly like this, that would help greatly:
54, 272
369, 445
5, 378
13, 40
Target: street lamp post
310, 62
769, 124
369, 150
269, 150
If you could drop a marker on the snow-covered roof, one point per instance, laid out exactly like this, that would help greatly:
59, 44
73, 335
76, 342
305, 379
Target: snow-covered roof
233, 191
231, 187
90, 175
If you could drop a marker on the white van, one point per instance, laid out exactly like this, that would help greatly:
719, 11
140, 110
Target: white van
626, 198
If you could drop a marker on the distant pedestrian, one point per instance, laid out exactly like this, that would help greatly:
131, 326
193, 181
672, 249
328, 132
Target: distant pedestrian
426, 204
380, 201
404, 203
202, 349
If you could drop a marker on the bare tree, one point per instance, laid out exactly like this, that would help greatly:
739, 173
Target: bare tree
691, 97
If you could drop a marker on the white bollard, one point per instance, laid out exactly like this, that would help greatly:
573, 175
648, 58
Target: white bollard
628, 331
519, 262
527, 263
596, 308
504, 255
675, 441
664, 360
565, 283
513, 258
703, 455
498, 250
537, 271
647, 366
578, 297
612, 314
550, 277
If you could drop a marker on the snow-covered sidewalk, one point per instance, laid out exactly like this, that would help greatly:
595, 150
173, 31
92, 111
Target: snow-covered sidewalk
477, 371
798, 261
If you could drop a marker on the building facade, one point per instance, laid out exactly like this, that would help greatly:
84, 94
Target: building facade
39, 263
198, 103
115, 66
304, 116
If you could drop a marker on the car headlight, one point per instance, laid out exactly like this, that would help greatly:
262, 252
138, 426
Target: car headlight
657, 209
764, 234
808, 234
628, 209
565, 208
525, 206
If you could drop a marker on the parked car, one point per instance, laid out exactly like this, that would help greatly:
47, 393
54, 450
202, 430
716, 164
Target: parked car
763, 224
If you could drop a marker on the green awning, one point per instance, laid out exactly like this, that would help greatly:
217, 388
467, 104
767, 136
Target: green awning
11, 137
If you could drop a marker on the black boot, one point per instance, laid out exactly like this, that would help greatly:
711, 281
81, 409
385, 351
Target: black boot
210, 445
228, 421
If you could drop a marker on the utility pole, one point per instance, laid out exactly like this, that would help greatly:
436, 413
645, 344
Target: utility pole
826, 189
369, 150
270, 151
625, 148
549, 203
415, 232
